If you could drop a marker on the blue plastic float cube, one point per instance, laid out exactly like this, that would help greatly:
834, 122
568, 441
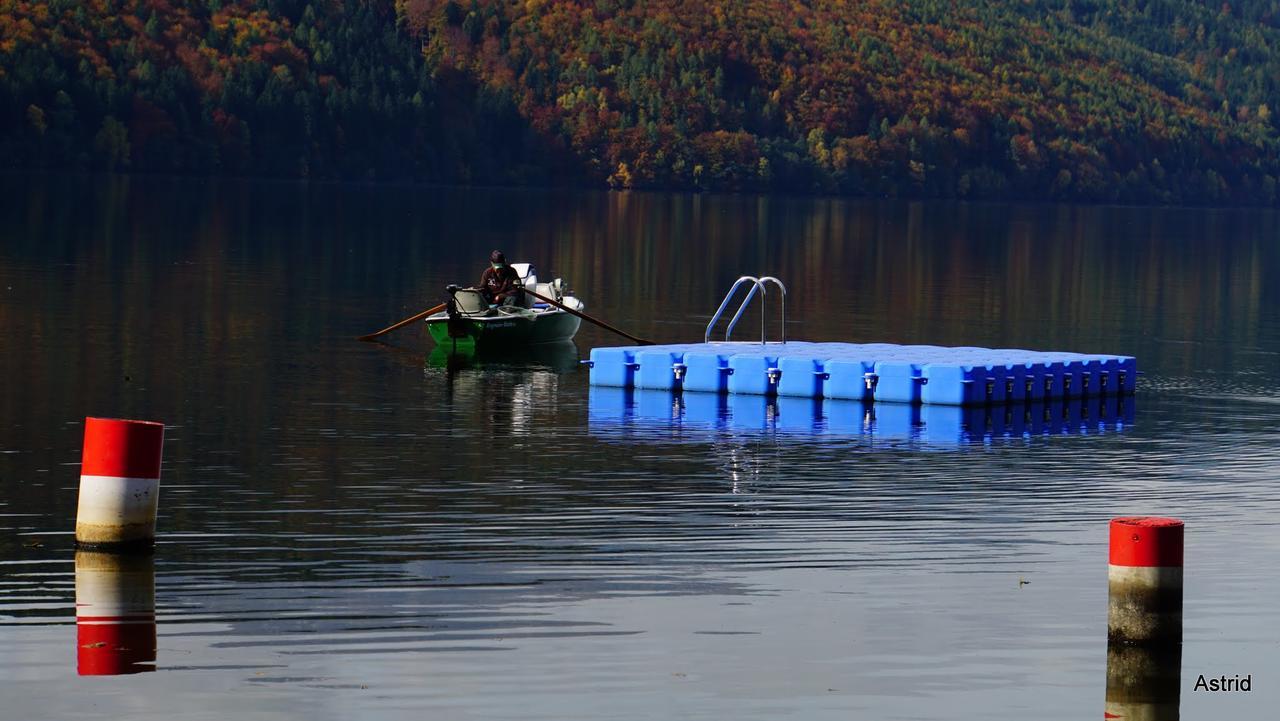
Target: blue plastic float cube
706, 371
753, 374
997, 382
803, 377
613, 367
1055, 380
657, 369
849, 379
1074, 371
898, 382
1034, 381
954, 385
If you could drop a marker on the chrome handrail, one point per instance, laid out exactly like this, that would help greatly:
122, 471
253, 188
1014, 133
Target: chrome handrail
783, 288
706, 337
757, 286
733, 322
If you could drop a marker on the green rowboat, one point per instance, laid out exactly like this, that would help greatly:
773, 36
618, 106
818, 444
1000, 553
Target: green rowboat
470, 321
505, 327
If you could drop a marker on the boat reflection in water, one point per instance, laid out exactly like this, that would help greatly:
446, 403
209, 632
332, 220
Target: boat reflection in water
658, 413
511, 391
115, 614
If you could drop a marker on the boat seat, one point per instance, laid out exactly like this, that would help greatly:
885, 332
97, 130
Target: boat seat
471, 302
526, 272
546, 290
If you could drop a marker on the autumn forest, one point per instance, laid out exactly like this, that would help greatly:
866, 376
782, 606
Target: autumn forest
1156, 101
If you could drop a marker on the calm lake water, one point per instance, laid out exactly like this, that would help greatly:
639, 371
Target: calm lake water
353, 530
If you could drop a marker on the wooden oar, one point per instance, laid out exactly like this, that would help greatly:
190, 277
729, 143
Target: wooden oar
586, 317
403, 323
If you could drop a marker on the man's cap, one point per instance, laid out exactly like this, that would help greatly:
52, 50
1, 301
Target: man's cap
497, 257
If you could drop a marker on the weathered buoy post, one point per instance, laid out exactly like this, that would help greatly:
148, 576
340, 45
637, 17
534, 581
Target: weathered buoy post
1144, 579
1144, 619
119, 484
115, 613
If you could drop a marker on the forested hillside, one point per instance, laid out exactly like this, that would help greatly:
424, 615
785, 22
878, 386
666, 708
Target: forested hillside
1156, 101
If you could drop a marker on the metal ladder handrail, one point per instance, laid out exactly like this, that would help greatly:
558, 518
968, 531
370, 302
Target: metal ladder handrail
733, 322
706, 337
783, 288
757, 285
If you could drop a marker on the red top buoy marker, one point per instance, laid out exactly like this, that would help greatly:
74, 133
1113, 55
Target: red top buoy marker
121, 448
1146, 541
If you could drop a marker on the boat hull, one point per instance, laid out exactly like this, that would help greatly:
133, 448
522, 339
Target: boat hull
508, 331
559, 357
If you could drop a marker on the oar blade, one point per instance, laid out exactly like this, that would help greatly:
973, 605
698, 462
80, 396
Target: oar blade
402, 323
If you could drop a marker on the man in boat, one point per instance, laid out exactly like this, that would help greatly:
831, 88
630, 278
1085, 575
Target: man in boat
500, 283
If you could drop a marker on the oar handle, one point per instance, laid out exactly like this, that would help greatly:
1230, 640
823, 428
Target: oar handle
403, 323
584, 316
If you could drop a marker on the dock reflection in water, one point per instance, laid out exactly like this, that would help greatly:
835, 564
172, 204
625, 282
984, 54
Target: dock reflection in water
115, 614
628, 413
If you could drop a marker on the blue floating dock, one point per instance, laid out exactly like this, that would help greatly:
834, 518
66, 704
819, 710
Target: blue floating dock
881, 372
638, 414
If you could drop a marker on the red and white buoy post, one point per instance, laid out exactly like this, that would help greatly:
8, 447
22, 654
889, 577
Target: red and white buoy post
1144, 579
119, 483
1144, 619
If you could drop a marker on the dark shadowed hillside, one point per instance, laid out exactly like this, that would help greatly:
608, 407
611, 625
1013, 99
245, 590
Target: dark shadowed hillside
1160, 101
